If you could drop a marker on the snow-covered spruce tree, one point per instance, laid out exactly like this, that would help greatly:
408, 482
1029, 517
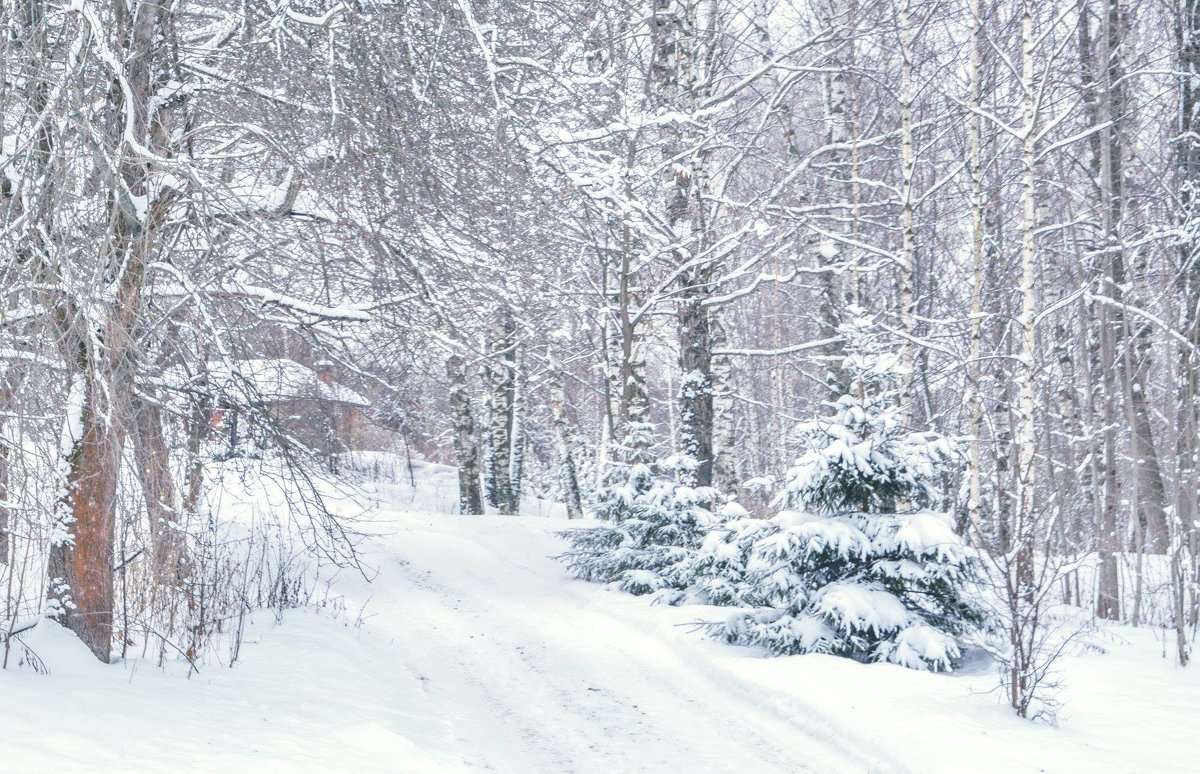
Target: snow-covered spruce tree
656, 523
855, 567
718, 573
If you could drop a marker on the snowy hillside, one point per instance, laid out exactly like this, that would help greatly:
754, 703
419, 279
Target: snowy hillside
472, 650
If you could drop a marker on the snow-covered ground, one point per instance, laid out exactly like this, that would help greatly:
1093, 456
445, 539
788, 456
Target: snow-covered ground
473, 650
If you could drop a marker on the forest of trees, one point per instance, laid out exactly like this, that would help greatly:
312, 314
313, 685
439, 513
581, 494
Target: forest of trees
556, 241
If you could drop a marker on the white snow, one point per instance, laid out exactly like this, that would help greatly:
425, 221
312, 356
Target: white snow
861, 607
920, 645
924, 534
473, 650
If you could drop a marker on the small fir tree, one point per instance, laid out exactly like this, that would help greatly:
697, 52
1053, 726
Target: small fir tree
856, 567
656, 523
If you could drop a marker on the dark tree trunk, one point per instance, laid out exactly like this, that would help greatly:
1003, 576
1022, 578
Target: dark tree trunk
470, 498
1130, 342
680, 82
503, 420
8, 391
569, 476
725, 475
81, 566
4, 510
695, 387
103, 359
516, 434
1188, 431
153, 460
1102, 359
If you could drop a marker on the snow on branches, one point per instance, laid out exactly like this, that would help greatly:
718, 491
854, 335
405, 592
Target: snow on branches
863, 571
657, 526
857, 566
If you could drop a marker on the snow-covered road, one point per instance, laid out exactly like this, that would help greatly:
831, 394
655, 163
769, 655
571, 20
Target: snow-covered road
472, 650
540, 673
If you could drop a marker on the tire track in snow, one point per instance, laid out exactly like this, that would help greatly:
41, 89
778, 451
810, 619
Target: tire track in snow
546, 673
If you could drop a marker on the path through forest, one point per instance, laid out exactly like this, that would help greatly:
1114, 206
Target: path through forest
472, 650
541, 673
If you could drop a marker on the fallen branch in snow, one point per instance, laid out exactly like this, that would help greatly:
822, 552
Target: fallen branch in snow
21, 628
